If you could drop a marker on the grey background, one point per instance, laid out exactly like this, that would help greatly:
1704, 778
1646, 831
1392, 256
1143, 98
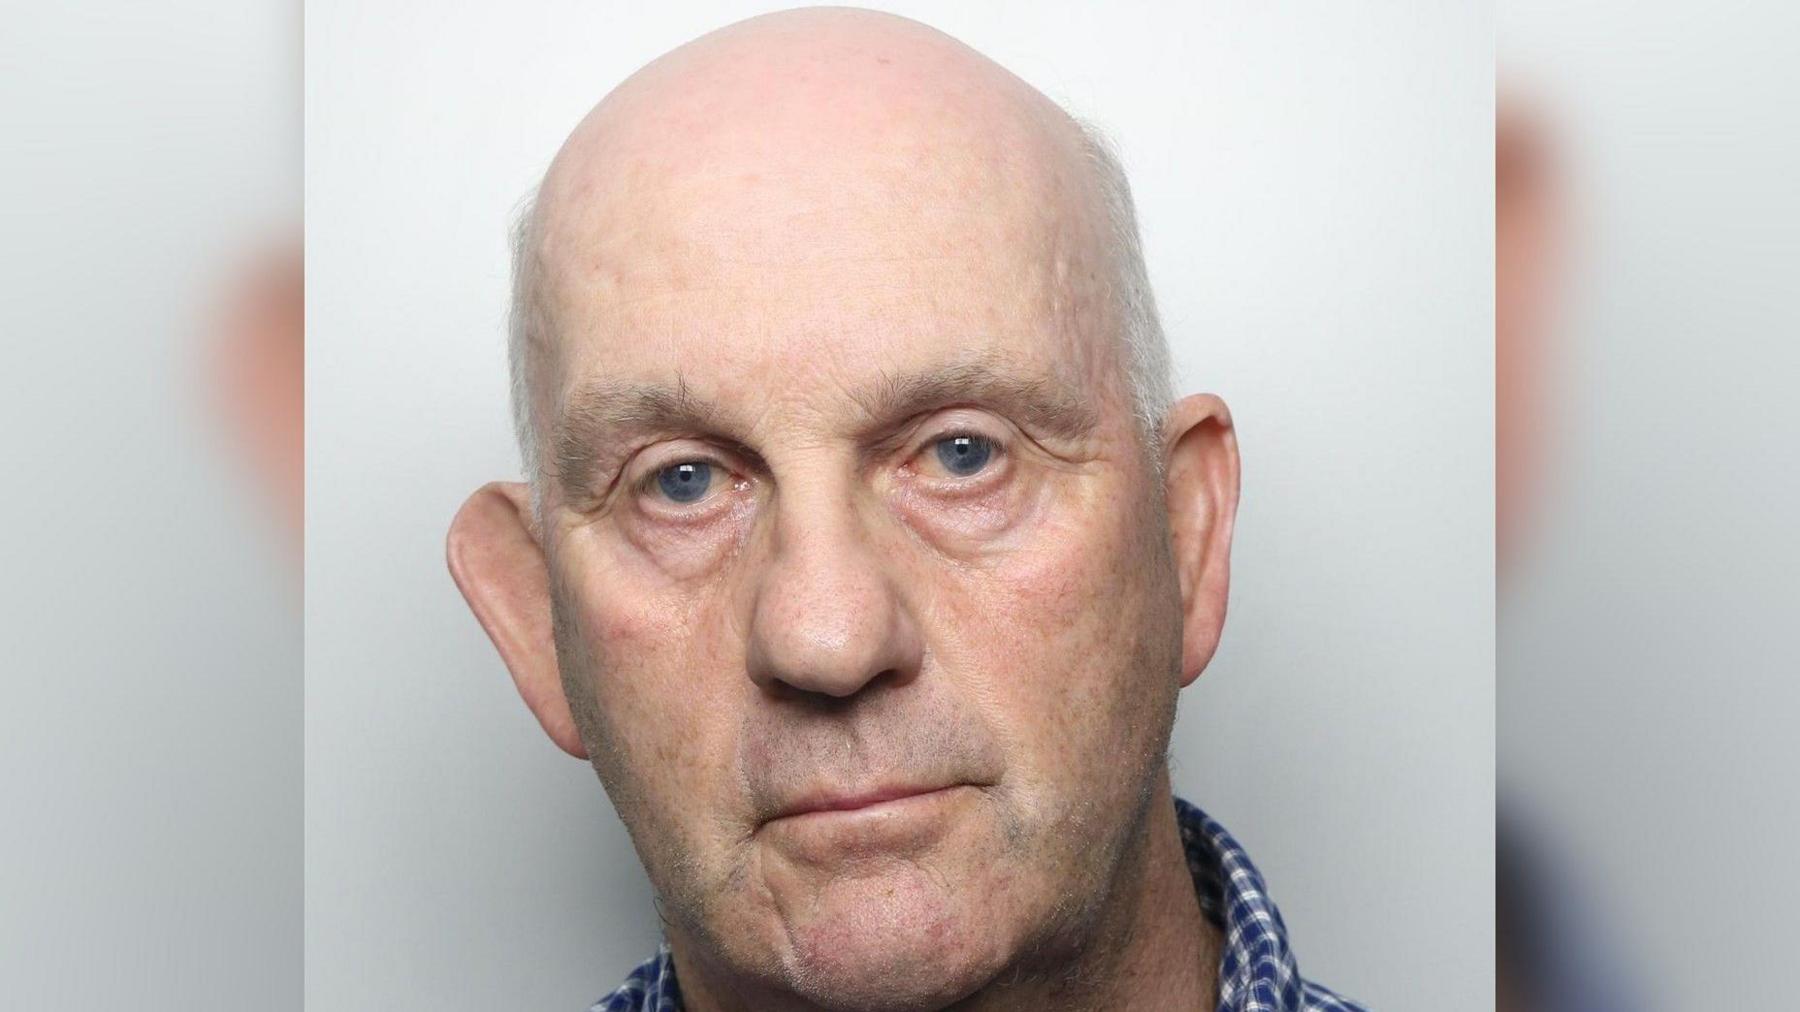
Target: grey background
1647, 649
150, 730
1316, 186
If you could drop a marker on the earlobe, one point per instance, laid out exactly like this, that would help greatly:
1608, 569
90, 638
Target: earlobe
500, 568
1201, 485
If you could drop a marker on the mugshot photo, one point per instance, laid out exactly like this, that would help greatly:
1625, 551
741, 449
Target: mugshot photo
899, 508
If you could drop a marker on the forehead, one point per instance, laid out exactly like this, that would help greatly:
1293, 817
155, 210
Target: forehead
867, 229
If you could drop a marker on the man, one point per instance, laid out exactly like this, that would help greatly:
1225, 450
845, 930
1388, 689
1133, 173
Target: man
864, 553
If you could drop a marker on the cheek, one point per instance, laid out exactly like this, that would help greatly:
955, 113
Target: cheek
655, 612
1066, 637
661, 658
659, 552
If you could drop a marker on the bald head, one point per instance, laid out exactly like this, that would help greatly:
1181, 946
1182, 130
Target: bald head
815, 136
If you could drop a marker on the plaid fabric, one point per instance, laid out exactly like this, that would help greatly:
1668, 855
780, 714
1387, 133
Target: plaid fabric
1256, 974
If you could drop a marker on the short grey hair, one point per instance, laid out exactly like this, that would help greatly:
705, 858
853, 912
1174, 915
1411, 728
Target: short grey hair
526, 328
1148, 368
1146, 350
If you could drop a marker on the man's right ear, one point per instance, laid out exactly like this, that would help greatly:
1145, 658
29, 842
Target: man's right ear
500, 568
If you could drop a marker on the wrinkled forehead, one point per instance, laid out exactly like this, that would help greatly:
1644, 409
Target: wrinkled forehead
819, 218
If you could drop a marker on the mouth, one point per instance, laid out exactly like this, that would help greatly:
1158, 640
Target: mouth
826, 828
870, 801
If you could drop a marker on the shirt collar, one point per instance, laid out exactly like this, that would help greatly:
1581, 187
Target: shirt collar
1257, 971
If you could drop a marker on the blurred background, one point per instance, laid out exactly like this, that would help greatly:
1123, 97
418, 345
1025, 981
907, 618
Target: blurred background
150, 391
1647, 325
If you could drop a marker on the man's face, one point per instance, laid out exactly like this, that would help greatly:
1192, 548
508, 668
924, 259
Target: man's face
861, 574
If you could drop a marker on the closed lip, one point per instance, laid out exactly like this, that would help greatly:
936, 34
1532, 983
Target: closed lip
826, 802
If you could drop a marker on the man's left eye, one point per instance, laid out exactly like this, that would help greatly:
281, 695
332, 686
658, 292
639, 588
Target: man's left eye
965, 455
686, 482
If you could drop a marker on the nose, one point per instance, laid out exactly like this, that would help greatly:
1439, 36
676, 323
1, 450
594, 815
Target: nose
828, 617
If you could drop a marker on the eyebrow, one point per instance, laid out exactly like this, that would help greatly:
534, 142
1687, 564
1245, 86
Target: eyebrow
1042, 403
603, 418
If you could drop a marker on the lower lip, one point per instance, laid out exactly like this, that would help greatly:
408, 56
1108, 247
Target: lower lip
890, 826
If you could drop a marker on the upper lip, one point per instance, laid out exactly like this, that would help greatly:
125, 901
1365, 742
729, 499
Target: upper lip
832, 800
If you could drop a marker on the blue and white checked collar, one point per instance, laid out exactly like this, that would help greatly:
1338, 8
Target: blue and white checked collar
1256, 974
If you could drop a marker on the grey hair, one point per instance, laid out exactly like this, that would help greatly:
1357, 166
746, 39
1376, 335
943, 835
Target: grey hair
1146, 358
1148, 368
525, 328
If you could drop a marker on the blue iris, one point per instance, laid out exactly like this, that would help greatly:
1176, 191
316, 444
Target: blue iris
686, 482
964, 455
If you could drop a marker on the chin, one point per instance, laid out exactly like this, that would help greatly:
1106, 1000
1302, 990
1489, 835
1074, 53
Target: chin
902, 940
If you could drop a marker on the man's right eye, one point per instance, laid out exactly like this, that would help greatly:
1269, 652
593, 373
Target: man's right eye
964, 455
686, 482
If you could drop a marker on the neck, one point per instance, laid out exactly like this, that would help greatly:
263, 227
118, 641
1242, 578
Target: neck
1149, 945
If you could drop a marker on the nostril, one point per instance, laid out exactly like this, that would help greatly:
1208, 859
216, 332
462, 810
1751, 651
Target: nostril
890, 677
820, 695
886, 678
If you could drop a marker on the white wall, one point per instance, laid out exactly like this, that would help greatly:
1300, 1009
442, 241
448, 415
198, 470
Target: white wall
1316, 186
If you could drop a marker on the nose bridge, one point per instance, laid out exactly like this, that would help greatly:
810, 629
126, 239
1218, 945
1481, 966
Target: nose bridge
827, 617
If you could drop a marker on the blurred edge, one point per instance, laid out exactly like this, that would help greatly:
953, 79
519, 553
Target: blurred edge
1647, 230
150, 407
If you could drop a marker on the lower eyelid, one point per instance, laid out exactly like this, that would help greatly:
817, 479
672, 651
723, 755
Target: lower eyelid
951, 485
677, 515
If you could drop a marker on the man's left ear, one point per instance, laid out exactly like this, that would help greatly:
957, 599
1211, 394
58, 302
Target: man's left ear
1200, 459
500, 568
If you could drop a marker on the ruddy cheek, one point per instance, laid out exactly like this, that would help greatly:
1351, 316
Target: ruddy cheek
629, 624
626, 610
1051, 599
